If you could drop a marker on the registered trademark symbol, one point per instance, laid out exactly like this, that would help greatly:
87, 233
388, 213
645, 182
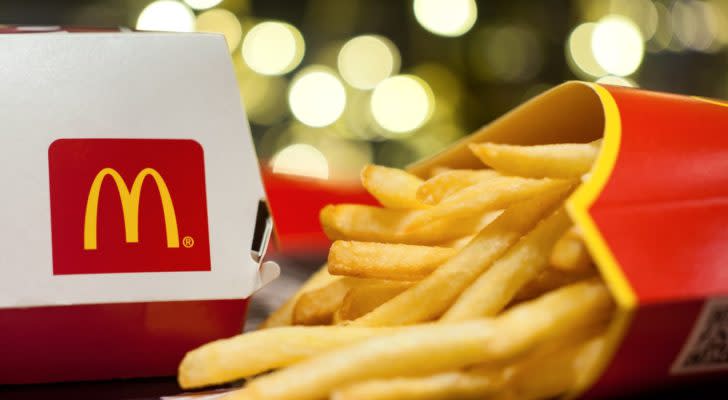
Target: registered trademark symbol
188, 241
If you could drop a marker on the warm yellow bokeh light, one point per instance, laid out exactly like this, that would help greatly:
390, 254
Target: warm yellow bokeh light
302, 160
446, 17
202, 4
167, 16
617, 81
402, 103
273, 48
317, 97
364, 61
579, 51
221, 21
617, 45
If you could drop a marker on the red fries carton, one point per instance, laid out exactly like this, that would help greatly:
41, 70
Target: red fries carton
130, 198
654, 214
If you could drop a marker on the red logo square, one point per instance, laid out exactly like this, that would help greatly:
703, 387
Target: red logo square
128, 205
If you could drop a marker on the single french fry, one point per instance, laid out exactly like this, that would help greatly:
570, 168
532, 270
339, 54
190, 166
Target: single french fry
252, 353
317, 307
402, 262
434, 294
492, 194
570, 253
438, 170
550, 279
460, 243
394, 188
445, 184
283, 316
449, 385
361, 300
567, 160
497, 286
437, 348
375, 224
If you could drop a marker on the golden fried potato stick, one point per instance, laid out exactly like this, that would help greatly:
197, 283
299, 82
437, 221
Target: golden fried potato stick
566, 160
492, 194
445, 184
401, 262
252, 353
375, 224
394, 188
570, 253
434, 294
497, 286
437, 348
283, 316
550, 279
317, 307
449, 385
361, 300
434, 171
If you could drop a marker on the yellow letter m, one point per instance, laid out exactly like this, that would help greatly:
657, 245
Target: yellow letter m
129, 206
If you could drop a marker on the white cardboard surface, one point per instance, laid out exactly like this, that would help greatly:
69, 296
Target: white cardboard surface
121, 85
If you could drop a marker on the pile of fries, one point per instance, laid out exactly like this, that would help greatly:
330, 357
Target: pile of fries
471, 284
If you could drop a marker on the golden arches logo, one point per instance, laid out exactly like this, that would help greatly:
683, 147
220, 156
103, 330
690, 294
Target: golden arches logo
129, 206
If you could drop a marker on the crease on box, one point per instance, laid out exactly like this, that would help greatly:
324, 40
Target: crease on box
572, 112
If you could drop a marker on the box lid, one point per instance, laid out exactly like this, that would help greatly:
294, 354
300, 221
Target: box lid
128, 171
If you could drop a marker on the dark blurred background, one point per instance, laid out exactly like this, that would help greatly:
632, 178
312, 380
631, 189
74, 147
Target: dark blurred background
330, 85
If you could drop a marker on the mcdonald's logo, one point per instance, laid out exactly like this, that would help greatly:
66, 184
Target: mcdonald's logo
128, 205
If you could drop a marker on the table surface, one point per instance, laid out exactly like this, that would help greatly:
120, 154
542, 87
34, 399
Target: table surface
266, 300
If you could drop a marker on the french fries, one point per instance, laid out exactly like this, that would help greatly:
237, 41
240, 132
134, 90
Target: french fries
496, 287
437, 348
317, 307
445, 184
400, 262
283, 316
568, 160
449, 385
569, 253
373, 224
443, 286
361, 300
220, 361
491, 194
393, 187
471, 284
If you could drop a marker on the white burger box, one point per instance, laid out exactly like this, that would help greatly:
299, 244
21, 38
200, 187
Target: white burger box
132, 214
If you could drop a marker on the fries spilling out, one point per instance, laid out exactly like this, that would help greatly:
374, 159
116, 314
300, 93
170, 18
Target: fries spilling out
472, 284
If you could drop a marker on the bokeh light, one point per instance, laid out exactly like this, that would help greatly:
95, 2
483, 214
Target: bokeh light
202, 4
402, 103
446, 17
507, 53
364, 61
617, 45
302, 160
273, 48
695, 24
663, 34
579, 52
617, 81
447, 88
642, 12
221, 21
167, 16
317, 97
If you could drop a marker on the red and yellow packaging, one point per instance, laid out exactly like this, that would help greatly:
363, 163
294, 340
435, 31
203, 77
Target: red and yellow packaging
654, 214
